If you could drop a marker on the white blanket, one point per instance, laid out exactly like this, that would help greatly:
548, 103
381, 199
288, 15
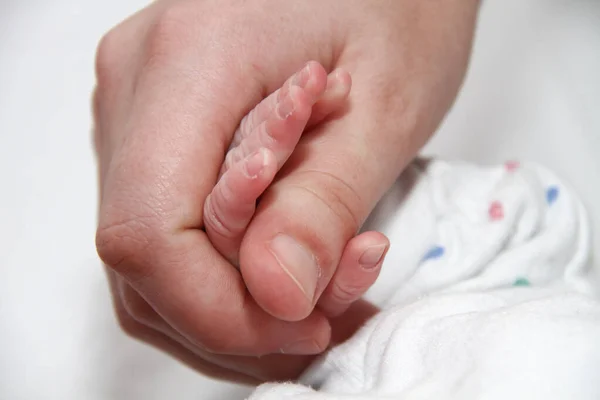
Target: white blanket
531, 92
488, 293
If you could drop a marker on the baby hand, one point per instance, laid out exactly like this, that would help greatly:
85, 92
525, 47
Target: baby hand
265, 139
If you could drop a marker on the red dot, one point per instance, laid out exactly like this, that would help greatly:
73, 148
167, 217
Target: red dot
512, 165
496, 211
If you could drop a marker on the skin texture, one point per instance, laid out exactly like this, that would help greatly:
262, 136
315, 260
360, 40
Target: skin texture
174, 82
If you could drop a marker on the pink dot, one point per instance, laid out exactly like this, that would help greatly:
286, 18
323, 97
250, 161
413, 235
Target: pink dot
496, 211
512, 165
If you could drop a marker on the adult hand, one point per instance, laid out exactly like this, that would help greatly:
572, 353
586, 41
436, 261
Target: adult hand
174, 82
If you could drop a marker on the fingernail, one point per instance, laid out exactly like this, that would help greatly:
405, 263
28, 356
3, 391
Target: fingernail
372, 256
286, 106
297, 262
338, 74
303, 347
337, 87
301, 77
336, 82
255, 163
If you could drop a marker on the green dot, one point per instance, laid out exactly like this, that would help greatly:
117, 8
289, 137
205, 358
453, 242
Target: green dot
521, 282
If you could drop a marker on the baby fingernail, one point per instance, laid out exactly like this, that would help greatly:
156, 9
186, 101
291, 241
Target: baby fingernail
297, 262
372, 256
286, 106
336, 82
301, 77
255, 163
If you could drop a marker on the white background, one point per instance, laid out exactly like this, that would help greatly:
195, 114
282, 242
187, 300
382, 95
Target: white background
533, 92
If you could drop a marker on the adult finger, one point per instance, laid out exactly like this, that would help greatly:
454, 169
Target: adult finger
142, 322
151, 211
141, 331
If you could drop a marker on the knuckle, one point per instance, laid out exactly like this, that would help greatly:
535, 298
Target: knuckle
170, 32
341, 294
108, 58
122, 246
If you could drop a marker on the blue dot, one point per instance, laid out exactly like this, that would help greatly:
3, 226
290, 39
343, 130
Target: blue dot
434, 252
521, 282
552, 194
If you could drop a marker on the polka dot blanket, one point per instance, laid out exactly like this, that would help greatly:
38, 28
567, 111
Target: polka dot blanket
488, 292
